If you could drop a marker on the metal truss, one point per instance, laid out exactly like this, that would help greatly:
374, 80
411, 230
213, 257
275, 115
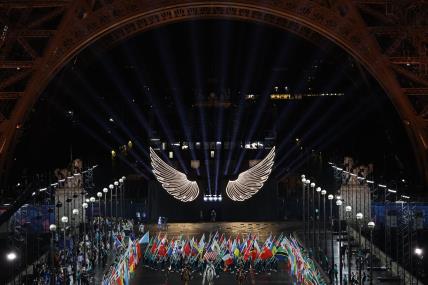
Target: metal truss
388, 37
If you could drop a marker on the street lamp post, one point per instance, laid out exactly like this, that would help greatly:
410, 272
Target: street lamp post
317, 216
313, 219
11, 257
116, 188
111, 187
52, 229
419, 254
303, 209
121, 181
91, 221
308, 221
123, 191
75, 213
323, 193
64, 220
359, 217
331, 197
339, 204
99, 195
84, 206
348, 210
371, 226
105, 190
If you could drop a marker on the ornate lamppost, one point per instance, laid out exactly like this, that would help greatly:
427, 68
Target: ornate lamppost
420, 255
348, 210
317, 217
64, 220
303, 208
111, 187
359, 217
313, 217
105, 190
116, 188
52, 229
323, 193
330, 198
308, 221
371, 226
339, 204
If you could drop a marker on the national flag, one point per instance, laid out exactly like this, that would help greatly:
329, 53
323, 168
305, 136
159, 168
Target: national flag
154, 247
187, 249
215, 246
266, 253
117, 243
145, 238
211, 255
228, 260
236, 252
281, 254
162, 250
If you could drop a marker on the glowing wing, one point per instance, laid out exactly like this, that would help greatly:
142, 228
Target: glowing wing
173, 181
250, 181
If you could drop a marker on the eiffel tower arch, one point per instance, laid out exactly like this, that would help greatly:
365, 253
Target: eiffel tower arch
387, 38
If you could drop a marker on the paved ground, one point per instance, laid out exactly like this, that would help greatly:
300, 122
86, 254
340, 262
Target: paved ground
148, 276
145, 275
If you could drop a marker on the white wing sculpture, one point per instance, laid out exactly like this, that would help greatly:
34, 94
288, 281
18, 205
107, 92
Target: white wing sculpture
172, 180
250, 181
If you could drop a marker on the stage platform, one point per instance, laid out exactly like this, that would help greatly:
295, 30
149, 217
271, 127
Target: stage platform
146, 275
262, 229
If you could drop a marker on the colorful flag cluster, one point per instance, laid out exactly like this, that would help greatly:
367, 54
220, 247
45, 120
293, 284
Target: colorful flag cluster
122, 271
225, 252
300, 266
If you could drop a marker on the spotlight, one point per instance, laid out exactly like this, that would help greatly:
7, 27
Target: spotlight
111, 119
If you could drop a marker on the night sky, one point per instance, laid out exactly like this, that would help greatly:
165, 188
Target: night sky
149, 84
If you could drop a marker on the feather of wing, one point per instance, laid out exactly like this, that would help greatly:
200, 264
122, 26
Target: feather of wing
252, 180
172, 180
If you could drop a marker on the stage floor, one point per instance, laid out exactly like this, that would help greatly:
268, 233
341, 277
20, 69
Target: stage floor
145, 275
262, 229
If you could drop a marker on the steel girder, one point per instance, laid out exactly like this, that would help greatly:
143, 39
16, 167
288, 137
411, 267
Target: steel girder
389, 43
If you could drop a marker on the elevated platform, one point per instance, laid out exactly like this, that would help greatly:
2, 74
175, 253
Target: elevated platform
262, 229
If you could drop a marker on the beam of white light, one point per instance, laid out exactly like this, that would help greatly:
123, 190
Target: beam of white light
172, 180
252, 180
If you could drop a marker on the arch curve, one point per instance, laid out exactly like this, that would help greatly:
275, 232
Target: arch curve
83, 26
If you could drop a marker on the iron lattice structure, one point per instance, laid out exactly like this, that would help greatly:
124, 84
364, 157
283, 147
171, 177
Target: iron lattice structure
389, 38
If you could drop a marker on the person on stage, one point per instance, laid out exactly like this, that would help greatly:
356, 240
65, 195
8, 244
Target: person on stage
185, 275
209, 274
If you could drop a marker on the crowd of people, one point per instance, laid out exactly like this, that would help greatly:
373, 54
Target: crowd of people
74, 258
